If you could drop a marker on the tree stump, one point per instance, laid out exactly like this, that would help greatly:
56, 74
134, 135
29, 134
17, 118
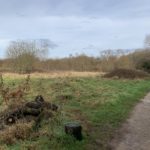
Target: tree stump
74, 129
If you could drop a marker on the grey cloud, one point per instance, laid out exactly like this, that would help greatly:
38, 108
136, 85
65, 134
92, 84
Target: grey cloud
99, 8
76, 25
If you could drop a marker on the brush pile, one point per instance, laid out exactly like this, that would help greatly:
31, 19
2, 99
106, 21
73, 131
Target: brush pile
29, 110
126, 74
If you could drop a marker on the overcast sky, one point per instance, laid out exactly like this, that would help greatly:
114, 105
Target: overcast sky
76, 26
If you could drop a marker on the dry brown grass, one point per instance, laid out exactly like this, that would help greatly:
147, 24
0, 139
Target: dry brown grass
53, 74
20, 131
3, 147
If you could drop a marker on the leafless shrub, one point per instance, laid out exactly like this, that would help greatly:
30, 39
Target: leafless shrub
16, 95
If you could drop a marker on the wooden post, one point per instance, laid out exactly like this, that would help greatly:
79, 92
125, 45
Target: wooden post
74, 129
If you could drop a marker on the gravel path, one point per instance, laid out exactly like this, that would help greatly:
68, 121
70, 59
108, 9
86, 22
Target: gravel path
136, 132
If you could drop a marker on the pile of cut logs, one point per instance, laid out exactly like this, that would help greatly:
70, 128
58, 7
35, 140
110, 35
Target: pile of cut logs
33, 108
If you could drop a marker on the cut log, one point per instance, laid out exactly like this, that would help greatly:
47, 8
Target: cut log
31, 111
51, 106
10, 120
39, 99
16, 113
74, 129
54, 107
34, 105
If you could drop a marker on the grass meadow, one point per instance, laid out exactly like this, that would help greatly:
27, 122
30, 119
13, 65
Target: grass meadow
100, 105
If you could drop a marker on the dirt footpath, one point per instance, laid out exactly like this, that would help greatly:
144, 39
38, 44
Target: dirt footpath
135, 133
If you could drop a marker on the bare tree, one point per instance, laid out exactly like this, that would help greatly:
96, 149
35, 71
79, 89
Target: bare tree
147, 41
25, 53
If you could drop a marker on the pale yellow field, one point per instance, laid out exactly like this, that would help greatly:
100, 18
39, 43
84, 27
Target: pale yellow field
53, 74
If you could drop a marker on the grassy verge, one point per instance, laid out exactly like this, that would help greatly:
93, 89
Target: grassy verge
100, 105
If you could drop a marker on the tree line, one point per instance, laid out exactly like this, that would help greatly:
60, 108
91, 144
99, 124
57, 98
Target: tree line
31, 56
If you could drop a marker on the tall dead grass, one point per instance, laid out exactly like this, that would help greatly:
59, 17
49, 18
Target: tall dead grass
52, 74
19, 131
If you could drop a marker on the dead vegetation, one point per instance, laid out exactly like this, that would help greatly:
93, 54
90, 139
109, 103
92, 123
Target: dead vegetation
127, 74
25, 110
22, 122
52, 74
19, 131
16, 94
21, 118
